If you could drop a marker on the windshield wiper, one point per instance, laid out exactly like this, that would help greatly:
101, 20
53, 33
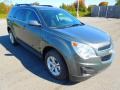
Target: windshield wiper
80, 24
76, 25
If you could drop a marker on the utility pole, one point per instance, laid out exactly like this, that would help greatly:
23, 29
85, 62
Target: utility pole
77, 8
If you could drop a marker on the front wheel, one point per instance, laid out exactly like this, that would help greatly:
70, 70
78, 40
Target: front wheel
56, 65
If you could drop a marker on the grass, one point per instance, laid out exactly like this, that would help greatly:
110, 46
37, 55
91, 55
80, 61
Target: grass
2, 16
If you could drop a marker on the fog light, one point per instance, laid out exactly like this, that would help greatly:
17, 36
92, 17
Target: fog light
87, 70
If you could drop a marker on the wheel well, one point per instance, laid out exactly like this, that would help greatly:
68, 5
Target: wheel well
48, 48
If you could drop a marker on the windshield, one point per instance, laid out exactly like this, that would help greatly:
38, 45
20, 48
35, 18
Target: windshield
59, 18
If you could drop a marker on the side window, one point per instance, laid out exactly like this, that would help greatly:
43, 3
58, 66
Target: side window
31, 16
20, 15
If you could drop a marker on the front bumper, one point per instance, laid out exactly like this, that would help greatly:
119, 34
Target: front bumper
88, 68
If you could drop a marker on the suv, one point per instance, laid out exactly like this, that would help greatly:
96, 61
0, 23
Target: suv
71, 49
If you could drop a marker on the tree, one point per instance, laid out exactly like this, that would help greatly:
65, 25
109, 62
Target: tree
90, 7
82, 6
4, 9
68, 7
118, 2
73, 8
103, 4
35, 3
63, 6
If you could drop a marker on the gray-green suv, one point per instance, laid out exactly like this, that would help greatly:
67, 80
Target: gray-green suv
71, 49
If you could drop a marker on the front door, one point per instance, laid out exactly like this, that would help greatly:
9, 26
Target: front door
32, 34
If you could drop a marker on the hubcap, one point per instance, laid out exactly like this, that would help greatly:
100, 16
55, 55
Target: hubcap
53, 66
11, 38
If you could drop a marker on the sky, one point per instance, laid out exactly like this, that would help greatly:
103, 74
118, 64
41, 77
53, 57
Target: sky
57, 3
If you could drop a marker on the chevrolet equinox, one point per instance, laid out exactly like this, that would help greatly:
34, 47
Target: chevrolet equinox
71, 49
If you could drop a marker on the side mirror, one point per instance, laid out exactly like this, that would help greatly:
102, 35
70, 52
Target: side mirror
34, 23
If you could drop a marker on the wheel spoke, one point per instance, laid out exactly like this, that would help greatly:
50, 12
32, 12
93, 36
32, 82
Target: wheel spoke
57, 64
56, 71
53, 65
49, 61
58, 67
52, 59
52, 69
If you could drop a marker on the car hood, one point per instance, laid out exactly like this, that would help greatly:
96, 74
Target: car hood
86, 34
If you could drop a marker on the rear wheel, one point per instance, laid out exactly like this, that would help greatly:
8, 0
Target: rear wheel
12, 38
56, 65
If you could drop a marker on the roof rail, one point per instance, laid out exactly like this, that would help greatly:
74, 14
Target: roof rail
23, 5
32, 4
46, 5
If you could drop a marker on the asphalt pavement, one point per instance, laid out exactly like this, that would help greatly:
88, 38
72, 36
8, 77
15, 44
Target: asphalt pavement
22, 70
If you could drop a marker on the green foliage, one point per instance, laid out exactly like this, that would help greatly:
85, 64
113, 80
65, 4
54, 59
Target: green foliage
82, 14
118, 2
82, 6
68, 7
3, 16
90, 7
73, 8
4, 9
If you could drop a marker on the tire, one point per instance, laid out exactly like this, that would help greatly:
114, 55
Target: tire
59, 65
12, 38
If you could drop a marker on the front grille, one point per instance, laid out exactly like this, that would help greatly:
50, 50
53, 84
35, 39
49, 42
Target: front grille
104, 47
107, 57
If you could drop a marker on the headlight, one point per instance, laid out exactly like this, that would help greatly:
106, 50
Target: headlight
83, 50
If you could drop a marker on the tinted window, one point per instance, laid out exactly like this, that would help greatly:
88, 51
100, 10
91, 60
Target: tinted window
20, 14
31, 16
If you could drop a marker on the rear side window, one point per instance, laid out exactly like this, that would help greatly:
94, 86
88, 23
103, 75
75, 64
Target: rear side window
20, 15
